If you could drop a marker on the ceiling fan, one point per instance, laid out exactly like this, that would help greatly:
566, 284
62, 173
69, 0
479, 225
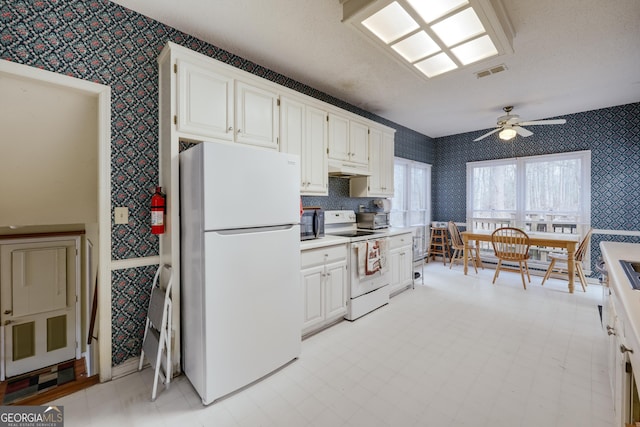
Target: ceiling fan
510, 125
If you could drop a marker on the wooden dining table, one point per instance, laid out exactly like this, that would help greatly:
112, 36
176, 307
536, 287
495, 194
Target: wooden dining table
553, 240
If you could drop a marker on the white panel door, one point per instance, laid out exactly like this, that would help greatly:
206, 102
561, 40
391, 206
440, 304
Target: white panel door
205, 101
39, 282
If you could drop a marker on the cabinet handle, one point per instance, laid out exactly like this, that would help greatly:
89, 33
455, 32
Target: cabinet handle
8, 312
625, 349
239, 130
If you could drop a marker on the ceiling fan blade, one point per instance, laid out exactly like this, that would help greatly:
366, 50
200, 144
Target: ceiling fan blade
487, 134
522, 131
544, 122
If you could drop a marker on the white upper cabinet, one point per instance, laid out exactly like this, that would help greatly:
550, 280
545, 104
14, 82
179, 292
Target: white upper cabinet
380, 183
205, 101
303, 131
348, 140
213, 104
256, 116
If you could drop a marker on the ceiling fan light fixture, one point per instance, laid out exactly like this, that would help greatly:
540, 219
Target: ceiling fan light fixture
507, 133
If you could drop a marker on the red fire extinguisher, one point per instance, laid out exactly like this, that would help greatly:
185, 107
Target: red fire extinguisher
158, 209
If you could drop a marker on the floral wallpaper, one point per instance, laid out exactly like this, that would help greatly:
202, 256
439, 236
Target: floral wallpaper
103, 42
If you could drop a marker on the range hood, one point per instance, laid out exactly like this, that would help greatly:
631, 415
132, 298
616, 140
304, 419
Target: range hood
346, 170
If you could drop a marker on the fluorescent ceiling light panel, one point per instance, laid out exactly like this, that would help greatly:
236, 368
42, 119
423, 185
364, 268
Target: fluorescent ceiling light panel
459, 27
430, 10
475, 50
436, 65
390, 23
419, 45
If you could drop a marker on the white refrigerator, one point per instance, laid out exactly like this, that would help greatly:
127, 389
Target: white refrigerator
240, 262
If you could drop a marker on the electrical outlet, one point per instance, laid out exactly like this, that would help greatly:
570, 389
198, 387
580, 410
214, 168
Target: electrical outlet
121, 215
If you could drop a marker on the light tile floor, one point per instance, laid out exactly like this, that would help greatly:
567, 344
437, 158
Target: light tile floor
457, 351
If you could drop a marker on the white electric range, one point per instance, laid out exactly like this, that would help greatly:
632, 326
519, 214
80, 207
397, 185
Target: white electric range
368, 262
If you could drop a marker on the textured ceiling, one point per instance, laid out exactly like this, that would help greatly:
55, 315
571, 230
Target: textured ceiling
569, 56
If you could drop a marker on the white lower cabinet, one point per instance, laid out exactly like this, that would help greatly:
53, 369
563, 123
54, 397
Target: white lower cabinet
400, 252
324, 281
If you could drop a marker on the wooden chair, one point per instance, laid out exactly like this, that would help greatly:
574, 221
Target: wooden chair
458, 248
511, 245
562, 259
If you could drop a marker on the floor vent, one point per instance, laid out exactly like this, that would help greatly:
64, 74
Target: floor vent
490, 71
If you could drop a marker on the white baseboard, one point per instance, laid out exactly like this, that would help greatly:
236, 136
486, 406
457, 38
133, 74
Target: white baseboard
127, 367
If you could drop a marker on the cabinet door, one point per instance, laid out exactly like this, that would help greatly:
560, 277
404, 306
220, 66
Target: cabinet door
406, 266
292, 132
338, 137
386, 163
358, 143
376, 164
205, 101
256, 116
395, 270
315, 167
313, 297
336, 290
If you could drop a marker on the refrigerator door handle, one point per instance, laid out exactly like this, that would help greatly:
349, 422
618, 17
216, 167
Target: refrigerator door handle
234, 231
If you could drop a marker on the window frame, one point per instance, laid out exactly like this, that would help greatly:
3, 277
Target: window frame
519, 217
406, 209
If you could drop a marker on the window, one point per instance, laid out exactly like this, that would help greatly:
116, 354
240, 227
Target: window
550, 193
411, 202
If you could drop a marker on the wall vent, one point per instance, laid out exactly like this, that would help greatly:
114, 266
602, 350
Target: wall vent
489, 71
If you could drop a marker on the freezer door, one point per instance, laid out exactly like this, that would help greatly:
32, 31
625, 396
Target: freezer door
249, 187
252, 304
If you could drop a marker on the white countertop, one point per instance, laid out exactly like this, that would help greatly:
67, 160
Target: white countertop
330, 240
321, 242
625, 296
